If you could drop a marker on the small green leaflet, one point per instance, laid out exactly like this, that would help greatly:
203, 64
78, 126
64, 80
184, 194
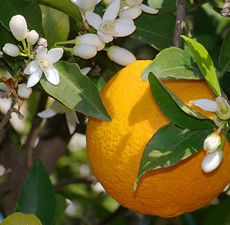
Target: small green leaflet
168, 146
76, 91
224, 59
37, 195
175, 110
21, 219
173, 63
205, 64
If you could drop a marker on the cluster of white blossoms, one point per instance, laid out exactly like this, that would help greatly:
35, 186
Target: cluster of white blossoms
117, 21
214, 144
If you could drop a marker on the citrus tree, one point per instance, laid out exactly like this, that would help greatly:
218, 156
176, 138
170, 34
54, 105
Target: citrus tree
114, 112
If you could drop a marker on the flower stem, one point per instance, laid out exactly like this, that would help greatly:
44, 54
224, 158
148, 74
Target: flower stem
65, 42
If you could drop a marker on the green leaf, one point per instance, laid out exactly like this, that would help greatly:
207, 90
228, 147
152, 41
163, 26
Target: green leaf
21, 219
60, 209
170, 145
225, 83
28, 8
224, 59
228, 135
174, 109
55, 25
155, 30
173, 63
65, 6
166, 5
205, 64
76, 91
37, 195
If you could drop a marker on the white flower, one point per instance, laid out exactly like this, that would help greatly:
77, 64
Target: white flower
211, 161
43, 63
220, 106
11, 49
56, 107
90, 39
85, 51
86, 5
42, 42
18, 27
120, 55
32, 37
24, 91
134, 8
212, 142
108, 26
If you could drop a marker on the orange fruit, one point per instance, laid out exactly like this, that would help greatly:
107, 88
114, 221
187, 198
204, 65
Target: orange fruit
115, 149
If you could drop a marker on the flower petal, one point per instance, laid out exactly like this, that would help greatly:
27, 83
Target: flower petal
52, 75
41, 52
130, 13
105, 37
148, 9
205, 104
211, 161
124, 27
93, 19
54, 54
85, 70
32, 67
71, 119
34, 78
48, 113
112, 11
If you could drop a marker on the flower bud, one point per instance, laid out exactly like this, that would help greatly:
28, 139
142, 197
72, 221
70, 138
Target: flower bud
18, 27
11, 49
212, 142
90, 39
24, 91
130, 13
1, 54
84, 51
211, 161
42, 42
120, 55
32, 37
86, 5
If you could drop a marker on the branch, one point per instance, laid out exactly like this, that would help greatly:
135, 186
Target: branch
83, 180
180, 22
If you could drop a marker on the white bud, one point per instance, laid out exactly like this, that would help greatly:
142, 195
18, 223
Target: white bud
18, 27
90, 39
42, 42
1, 54
84, 51
120, 55
11, 49
86, 5
130, 13
212, 142
24, 91
32, 37
2, 170
211, 161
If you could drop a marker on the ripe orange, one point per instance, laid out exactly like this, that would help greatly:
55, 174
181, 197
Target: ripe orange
115, 149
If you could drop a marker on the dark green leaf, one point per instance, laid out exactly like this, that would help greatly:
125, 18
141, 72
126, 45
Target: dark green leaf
21, 219
55, 25
37, 195
172, 63
155, 30
205, 64
60, 209
76, 91
65, 6
228, 135
168, 146
166, 5
225, 83
224, 59
28, 8
174, 109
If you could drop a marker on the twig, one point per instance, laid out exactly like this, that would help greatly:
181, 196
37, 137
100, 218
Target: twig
82, 180
180, 22
33, 133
